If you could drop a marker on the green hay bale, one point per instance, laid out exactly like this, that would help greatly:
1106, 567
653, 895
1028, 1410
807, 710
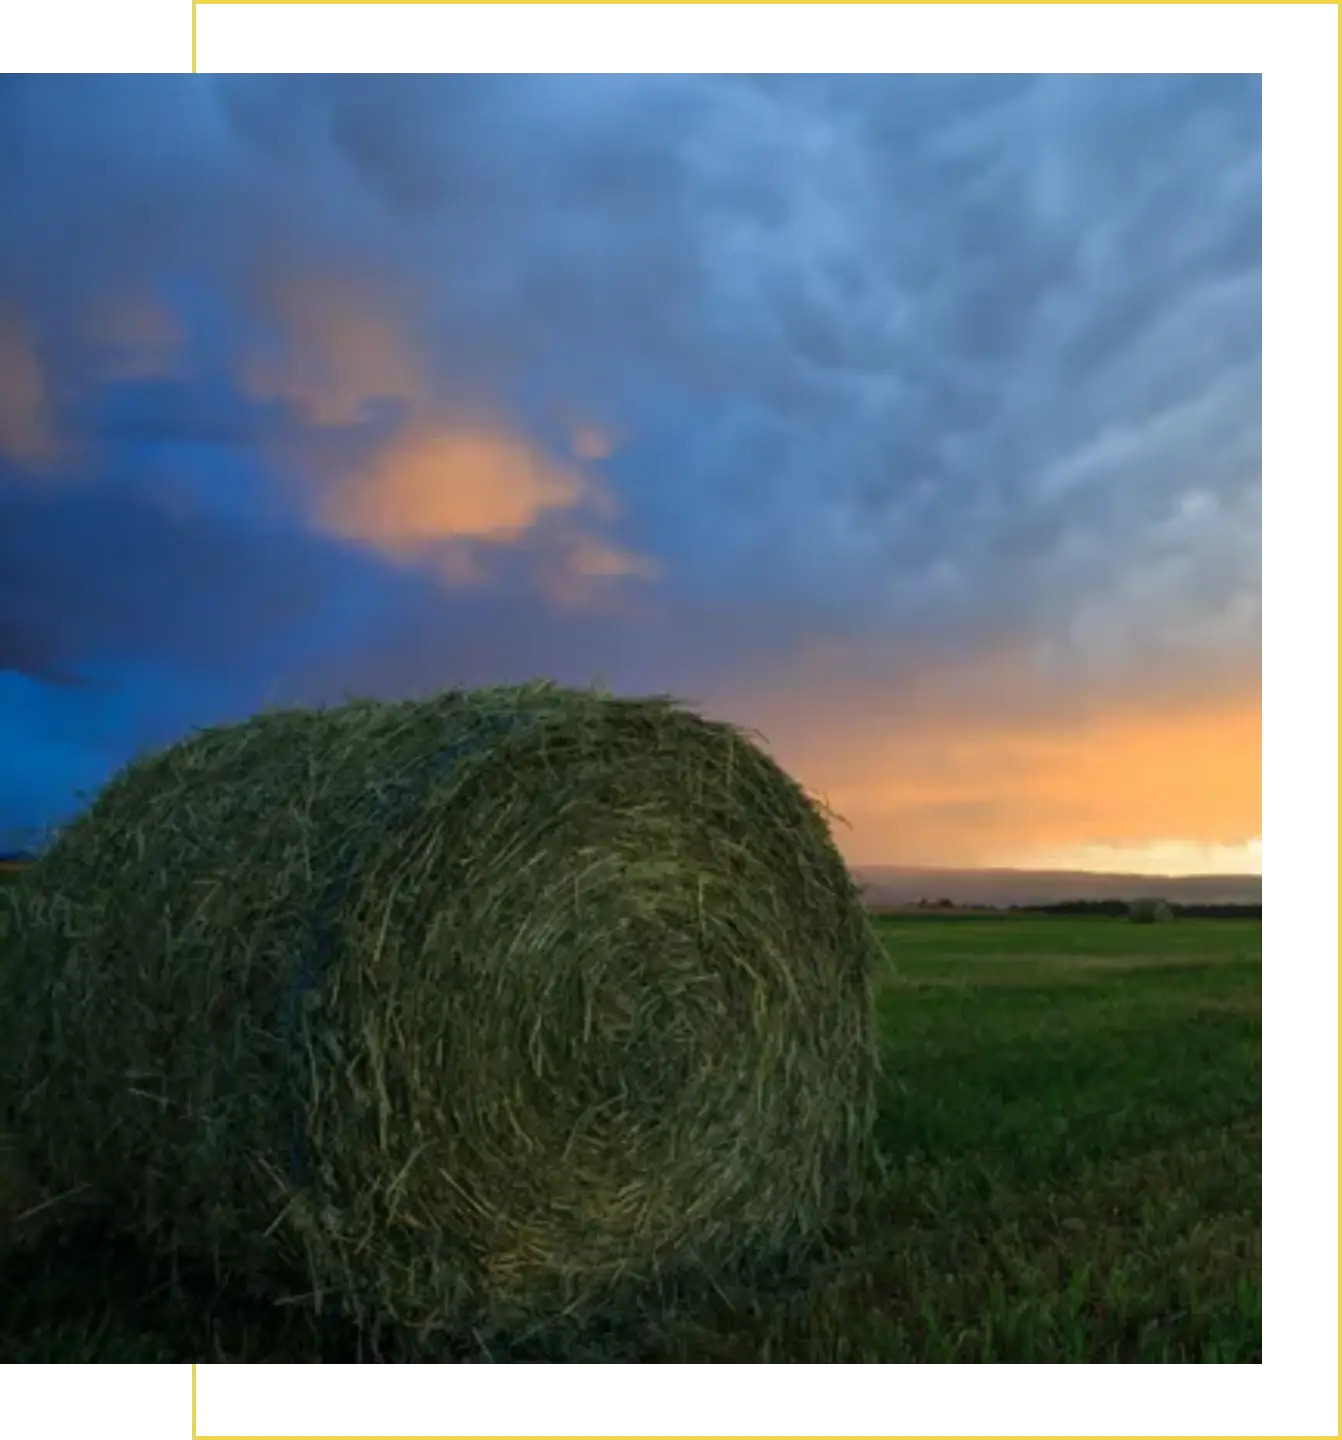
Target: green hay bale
1149, 912
499, 998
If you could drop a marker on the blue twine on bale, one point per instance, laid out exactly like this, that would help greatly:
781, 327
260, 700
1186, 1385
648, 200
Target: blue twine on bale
316, 959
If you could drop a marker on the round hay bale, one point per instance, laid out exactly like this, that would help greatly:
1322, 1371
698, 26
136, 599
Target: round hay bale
1149, 912
484, 1000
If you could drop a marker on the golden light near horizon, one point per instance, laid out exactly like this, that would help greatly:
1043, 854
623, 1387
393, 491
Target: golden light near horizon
1175, 858
1144, 785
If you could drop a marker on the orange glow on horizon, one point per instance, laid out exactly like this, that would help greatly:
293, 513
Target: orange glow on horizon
1158, 857
1164, 786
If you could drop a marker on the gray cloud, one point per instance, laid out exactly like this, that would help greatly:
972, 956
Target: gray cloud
922, 366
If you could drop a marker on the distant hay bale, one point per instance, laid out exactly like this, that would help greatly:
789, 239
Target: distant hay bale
1149, 912
486, 1000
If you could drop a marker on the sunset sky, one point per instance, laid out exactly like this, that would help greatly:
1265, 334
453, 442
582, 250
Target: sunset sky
912, 422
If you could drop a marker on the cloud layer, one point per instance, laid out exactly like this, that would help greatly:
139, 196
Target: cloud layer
828, 402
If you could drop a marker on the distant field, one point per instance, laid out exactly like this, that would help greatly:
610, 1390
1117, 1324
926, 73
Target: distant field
1071, 1116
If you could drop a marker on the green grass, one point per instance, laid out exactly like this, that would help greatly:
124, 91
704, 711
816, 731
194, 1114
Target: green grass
1072, 1124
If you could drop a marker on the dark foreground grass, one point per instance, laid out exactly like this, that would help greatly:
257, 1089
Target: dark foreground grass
1072, 1129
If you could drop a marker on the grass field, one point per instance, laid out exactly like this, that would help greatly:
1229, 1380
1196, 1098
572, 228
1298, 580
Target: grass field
1071, 1119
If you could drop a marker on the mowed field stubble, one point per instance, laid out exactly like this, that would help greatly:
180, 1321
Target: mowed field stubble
1070, 1128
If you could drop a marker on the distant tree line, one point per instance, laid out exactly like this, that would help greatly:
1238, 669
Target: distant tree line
1110, 909
1120, 908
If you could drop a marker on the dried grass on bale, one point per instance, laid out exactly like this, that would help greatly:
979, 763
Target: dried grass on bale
485, 1000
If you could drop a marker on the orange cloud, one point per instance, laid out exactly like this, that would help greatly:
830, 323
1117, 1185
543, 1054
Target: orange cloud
592, 559
441, 489
26, 434
141, 338
586, 562
438, 491
339, 350
592, 443
954, 783
430, 484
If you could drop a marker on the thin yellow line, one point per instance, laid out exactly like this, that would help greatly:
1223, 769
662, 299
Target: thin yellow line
814, 5
193, 1368
1338, 697
193, 71
765, 1434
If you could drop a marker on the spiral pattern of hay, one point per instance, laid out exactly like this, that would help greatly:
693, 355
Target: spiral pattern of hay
494, 998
